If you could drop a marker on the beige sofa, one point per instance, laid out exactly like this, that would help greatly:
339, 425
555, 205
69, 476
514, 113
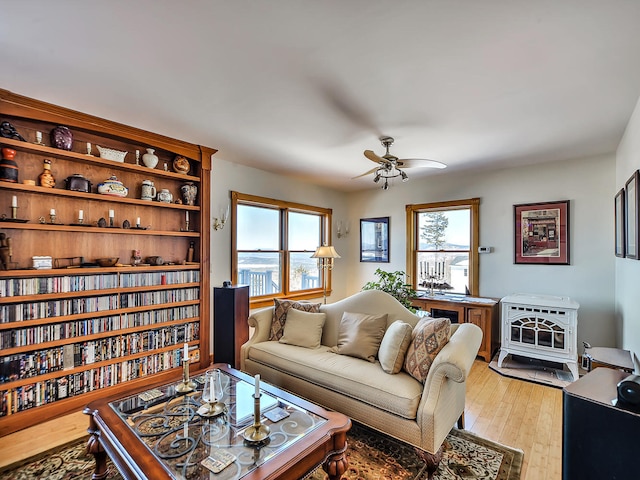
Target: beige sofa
398, 404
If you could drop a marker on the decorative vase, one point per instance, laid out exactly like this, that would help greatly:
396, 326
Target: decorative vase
46, 178
165, 196
8, 166
150, 159
181, 165
114, 187
189, 192
62, 138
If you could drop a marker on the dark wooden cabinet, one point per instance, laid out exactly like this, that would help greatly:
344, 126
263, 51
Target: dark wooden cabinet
599, 440
230, 326
482, 312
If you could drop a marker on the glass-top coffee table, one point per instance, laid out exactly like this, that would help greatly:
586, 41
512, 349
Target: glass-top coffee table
160, 433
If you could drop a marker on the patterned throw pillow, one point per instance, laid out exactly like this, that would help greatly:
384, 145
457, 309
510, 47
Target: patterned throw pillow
281, 307
429, 336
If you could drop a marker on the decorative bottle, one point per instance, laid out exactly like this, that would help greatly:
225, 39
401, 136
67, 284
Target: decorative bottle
150, 159
8, 166
46, 178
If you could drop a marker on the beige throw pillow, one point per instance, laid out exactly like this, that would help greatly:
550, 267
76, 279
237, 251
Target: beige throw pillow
303, 329
394, 346
428, 338
281, 307
359, 335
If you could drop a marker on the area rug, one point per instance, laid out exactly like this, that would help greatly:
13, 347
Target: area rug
372, 456
537, 372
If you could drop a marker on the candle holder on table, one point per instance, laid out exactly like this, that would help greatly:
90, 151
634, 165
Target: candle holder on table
212, 394
258, 432
186, 385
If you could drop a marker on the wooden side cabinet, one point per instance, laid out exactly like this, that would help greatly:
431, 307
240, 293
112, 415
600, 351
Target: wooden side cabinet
482, 312
230, 323
599, 440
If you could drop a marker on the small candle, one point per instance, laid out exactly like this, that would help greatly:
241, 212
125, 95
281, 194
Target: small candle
111, 214
52, 211
88, 148
257, 392
212, 391
80, 214
186, 214
38, 137
138, 222
14, 202
185, 356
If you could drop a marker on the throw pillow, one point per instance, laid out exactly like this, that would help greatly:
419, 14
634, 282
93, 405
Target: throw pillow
359, 335
281, 307
428, 338
303, 329
394, 346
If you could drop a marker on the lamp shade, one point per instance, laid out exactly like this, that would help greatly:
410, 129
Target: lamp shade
326, 251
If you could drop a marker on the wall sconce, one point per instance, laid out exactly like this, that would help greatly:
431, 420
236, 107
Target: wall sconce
218, 223
343, 229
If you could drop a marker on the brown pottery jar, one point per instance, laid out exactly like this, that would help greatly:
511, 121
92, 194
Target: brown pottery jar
8, 166
46, 178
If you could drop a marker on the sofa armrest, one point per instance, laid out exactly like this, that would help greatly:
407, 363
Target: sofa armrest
443, 397
456, 358
260, 321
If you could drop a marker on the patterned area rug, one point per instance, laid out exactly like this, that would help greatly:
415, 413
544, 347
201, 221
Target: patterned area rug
372, 456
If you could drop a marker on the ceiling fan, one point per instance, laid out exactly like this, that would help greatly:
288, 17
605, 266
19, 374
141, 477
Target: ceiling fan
390, 166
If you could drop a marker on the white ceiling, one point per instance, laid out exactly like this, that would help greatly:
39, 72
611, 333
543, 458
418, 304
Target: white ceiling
303, 87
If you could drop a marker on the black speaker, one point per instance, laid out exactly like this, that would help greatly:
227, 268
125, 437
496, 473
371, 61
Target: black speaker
629, 392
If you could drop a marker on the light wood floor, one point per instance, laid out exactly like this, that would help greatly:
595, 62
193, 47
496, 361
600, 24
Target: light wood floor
519, 414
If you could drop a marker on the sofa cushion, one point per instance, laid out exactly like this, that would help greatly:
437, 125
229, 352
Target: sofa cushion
359, 335
281, 307
427, 339
399, 394
303, 329
393, 347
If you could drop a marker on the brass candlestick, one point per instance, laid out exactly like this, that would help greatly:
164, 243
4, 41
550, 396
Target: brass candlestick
14, 213
52, 217
186, 385
258, 432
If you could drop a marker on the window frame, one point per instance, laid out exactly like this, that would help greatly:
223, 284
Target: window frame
284, 207
412, 211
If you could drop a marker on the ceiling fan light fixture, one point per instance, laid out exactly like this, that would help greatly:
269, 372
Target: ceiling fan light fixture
405, 177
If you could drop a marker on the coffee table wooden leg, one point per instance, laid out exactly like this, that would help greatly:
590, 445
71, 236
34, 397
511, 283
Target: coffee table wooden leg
94, 448
336, 463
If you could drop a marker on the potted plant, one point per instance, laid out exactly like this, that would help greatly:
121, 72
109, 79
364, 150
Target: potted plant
394, 284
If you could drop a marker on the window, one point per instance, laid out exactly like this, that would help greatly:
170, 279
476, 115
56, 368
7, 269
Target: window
273, 242
443, 246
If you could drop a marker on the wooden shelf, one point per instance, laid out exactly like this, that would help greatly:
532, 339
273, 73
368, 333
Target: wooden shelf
94, 196
84, 159
90, 229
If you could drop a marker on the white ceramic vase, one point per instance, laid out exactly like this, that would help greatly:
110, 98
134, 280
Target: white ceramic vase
150, 159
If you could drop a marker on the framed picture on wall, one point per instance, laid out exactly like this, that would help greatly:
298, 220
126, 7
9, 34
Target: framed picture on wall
619, 223
374, 239
541, 233
631, 216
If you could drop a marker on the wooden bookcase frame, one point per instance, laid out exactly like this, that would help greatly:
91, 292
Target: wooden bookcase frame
164, 237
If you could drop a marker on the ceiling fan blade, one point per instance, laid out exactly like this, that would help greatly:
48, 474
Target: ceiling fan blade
366, 173
375, 158
420, 163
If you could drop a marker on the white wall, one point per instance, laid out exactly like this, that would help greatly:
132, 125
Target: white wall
628, 270
590, 186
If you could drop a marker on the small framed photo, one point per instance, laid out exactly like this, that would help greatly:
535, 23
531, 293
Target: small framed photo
631, 217
619, 224
374, 239
541, 232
